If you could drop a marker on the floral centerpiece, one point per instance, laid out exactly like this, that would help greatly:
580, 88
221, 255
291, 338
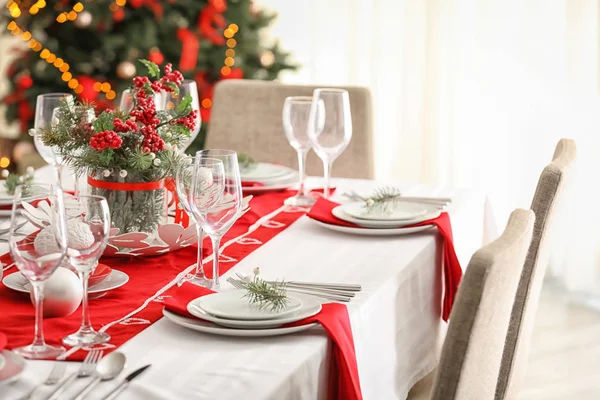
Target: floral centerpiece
130, 156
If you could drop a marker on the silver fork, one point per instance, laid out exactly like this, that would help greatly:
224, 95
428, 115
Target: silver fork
56, 373
86, 369
238, 284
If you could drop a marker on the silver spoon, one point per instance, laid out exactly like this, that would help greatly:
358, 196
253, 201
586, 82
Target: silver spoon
108, 368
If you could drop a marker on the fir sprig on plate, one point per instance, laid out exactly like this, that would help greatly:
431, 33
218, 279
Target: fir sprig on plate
264, 294
382, 200
246, 162
13, 180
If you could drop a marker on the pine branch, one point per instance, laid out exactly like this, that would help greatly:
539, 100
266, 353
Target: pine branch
381, 200
267, 295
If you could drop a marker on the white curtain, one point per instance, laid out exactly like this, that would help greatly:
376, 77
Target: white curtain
473, 93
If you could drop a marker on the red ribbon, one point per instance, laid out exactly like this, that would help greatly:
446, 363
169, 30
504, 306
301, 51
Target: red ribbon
137, 186
189, 51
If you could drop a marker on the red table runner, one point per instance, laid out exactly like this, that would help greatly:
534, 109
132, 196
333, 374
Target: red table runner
126, 311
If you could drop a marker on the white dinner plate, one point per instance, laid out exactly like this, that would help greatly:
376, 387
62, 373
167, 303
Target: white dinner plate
16, 281
373, 232
310, 307
14, 365
233, 305
399, 212
273, 186
338, 212
209, 327
264, 171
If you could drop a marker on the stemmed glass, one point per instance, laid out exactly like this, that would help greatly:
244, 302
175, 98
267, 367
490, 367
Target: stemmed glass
330, 127
44, 111
88, 117
89, 227
216, 219
183, 185
188, 86
296, 114
127, 101
38, 265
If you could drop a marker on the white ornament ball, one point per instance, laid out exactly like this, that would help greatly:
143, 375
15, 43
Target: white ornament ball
63, 293
80, 235
256, 271
168, 146
29, 171
106, 173
122, 173
152, 156
156, 162
84, 19
205, 176
80, 238
5, 173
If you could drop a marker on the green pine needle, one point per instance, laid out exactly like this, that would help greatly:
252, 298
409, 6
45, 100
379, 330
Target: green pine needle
264, 294
382, 200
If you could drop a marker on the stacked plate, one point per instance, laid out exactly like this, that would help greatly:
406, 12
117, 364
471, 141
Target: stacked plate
6, 201
265, 177
395, 221
230, 314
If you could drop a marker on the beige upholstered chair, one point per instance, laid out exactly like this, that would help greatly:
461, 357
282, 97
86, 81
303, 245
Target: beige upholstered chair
548, 197
246, 116
472, 351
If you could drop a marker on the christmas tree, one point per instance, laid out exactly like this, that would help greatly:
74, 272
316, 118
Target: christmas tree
92, 48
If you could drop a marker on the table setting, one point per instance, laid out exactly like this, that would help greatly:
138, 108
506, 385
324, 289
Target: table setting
112, 275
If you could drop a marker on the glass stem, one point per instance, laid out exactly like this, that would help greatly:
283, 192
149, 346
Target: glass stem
75, 184
199, 266
86, 324
59, 174
301, 171
38, 293
215, 281
327, 165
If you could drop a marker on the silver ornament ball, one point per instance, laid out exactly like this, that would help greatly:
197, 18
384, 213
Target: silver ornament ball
126, 70
84, 19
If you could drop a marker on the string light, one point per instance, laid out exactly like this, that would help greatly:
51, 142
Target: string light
229, 61
71, 15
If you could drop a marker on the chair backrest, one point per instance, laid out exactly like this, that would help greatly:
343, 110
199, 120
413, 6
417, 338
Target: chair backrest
549, 195
246, 116
472, 350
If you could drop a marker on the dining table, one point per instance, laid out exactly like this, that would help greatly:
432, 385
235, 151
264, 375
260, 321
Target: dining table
395, 319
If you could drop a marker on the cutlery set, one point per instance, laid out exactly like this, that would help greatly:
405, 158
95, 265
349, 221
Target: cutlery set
329, 291
95, 366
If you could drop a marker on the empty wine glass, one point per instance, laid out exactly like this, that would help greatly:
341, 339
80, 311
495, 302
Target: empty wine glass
330, 127
188, 86
127, 101
216, 220
37, 255
296, 114
88, 227
183, 184
88, 117
44, 111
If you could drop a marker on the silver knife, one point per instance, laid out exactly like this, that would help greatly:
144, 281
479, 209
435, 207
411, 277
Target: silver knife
123, 385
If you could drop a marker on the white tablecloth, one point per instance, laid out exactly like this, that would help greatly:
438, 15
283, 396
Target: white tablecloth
395, 319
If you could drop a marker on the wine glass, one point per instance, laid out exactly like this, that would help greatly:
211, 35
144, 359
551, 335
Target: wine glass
296, 114
183, 184
330, 127
188, 86
88, 117
88, 227
38, 262
44, 110
217, 220
127, 101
